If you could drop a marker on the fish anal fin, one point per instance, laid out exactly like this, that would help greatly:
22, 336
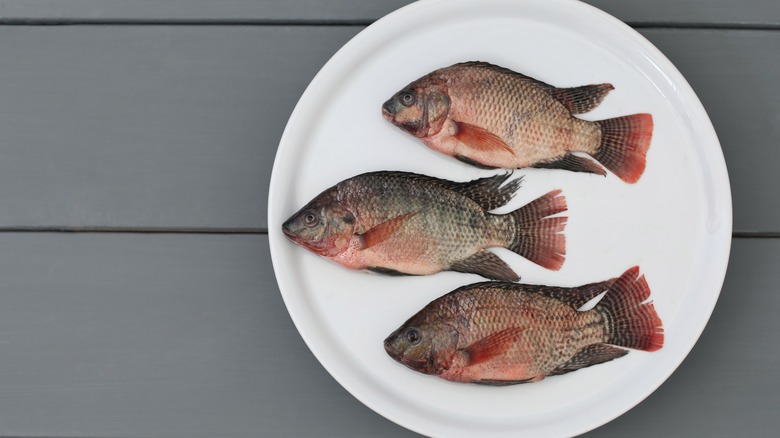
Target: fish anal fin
481, 139
582, 99
591, 355
492, 346
573, 163
486, 264
383, 231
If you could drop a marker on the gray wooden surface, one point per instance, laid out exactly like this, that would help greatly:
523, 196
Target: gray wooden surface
165, 116
728, 13
177, 126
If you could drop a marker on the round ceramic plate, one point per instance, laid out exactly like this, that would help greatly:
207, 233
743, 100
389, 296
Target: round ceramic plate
675, 223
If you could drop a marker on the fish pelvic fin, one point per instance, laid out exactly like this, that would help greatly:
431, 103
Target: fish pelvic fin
624, 145
494, 382
481, 139
486, 264
537, 236
591, 355
492, 346
630, 321
582, 99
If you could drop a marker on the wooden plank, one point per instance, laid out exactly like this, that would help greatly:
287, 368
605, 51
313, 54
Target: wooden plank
723, 12
178, 126
158, 335
187, 336
732, 73
728, 385
148, 126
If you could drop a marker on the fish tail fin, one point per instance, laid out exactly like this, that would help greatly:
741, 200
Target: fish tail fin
535, 235
632, 323
624, 144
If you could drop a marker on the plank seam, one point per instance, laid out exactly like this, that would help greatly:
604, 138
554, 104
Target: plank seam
244, 231
326, 23
133, 230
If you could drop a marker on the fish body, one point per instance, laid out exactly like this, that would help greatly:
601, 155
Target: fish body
406, 223
491, 116
505, 333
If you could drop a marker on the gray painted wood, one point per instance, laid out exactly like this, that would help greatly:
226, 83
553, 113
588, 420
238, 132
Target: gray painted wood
148, 126
745, 12
139, 126
158, 335
187, 336
732, 73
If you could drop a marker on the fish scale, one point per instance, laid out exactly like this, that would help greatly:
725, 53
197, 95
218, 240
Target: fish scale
406, 223
505, 333
518, 110
490, 116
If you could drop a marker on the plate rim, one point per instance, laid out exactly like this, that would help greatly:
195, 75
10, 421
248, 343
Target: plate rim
713, 153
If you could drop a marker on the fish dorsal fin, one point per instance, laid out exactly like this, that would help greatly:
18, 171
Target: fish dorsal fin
582, 99
492, 346
575, 297
481, 139
591, 355
470, 162
573, 163
486, 264
488, 192
383, 231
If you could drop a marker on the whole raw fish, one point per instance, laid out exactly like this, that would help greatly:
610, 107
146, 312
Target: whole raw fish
505, 333
491, 116
406, 223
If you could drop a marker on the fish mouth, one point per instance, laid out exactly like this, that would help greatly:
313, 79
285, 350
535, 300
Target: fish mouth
287, 230
387, 115
387, 111
392, 352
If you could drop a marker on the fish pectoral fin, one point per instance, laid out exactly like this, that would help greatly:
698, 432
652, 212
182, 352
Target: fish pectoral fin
582, 99
573, 163
480, 139
486, 264
591, 355
492, 346
383, 231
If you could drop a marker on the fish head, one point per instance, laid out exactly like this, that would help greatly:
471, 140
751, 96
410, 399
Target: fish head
323, 226
423, 344
420, 109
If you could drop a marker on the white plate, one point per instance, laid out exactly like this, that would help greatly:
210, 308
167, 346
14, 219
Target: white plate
675, 222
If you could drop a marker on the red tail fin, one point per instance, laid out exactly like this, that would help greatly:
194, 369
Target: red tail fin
624, 144
538, 237
631, 323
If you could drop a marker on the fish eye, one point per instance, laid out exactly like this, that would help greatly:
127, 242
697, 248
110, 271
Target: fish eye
413, 336
407, 98
311, 219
